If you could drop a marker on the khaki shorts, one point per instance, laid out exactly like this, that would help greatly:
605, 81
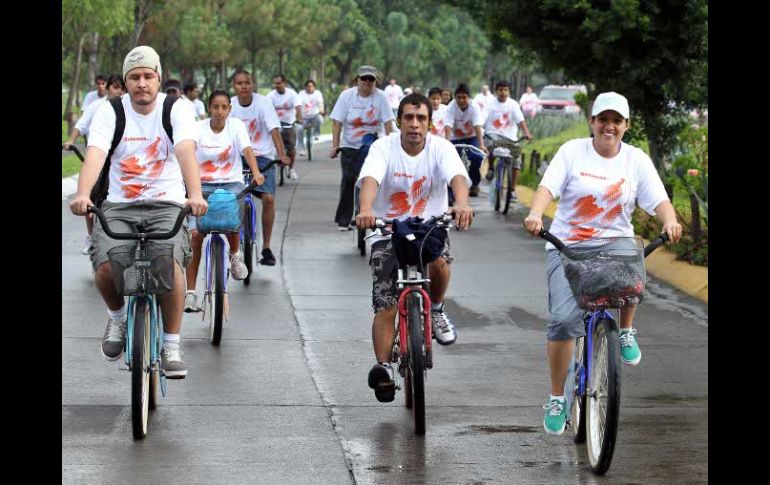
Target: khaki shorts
155, 216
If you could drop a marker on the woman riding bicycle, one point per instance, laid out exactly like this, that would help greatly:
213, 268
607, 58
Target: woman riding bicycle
600, 181
312, 109
221, 142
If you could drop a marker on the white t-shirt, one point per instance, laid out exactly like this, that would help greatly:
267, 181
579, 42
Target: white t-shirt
84, 122
411, 186
483, 101
504, 118
598, 195
311, 104
360, 116
285, 104
528, 101
219, 154
198, 106
394, 94
260, 118
91, 96
438, 120
144, 166
462, 122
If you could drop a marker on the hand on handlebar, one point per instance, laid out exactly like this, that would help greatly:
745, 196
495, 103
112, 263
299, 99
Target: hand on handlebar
80, 204
365, 219
334, 152
463, 214
66, 145
285, 159
674, 231
533, 224
258, 178
198, 205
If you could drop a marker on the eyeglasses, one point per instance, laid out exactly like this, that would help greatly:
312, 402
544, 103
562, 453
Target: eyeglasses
369, 79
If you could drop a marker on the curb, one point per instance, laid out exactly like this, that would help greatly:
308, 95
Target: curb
69, 186
689, 278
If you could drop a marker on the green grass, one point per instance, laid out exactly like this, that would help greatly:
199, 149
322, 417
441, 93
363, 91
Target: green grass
70, 165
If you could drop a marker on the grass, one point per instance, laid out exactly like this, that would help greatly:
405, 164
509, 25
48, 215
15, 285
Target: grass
70, 165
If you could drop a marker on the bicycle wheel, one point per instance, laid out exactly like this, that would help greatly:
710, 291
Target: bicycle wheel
499, 175
578, 409
309, 142
506, 186
217, 296
140, 368
247, 244
416, 369
603, 396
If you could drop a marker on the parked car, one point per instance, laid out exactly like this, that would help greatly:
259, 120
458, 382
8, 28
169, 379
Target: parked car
560, 100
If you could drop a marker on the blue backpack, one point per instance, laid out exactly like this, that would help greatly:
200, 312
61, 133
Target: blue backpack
225, 213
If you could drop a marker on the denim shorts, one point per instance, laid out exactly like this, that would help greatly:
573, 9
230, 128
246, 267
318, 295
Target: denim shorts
208, 189
268, 187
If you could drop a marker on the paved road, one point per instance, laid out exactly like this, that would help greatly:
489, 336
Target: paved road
284, 398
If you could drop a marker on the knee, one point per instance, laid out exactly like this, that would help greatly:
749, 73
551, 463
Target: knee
104, 272
268, 201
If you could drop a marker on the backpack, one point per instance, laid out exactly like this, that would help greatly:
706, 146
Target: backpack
99, 191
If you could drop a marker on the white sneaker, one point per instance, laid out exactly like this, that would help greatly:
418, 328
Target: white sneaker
443, 330
191, 302
302, 153
237, 268
293, 174
88, 242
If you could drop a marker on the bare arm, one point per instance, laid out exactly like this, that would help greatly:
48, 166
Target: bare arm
388, 127
461, 210
366, 196
534, 221
89, 174
336, 131
73, 136
480, 138
525, 128
447, 131
299, 114
667, 215
188, 164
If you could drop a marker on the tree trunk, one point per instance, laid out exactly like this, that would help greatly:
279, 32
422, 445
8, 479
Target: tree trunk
93, 55
68, 114
322, 79
344, 68
281, 54
223, 73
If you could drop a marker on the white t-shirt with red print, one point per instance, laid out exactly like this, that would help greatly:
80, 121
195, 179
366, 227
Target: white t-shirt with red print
311, 104
84, 122
219, 154
259, 118
598, 195
411, 186
144, 166
462, 122
504, 118
285, 104
394, 94
360, 116
438, 120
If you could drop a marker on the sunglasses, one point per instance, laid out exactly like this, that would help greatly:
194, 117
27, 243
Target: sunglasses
367, 78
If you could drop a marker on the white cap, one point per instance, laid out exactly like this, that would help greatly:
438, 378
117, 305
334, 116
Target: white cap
407, 91
141, 56
612, 100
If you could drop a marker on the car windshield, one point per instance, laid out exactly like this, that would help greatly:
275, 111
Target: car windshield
558, 93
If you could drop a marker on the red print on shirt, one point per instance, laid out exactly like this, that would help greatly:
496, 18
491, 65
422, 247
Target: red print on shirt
131, 191
417, 187
585, 210
419, 207
611, 215
399, 205
225, 154
613, 191
502, 122
581, 233
132, 167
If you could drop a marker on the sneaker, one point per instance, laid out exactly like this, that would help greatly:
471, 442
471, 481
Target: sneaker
114, 339
629, 348
315, 138
302, 153
237, 268
267, 257
443, 330
514, 197
87, 243
171, 362
293, 174
342, 228
381, 379
555, 419
473, 192
191, 302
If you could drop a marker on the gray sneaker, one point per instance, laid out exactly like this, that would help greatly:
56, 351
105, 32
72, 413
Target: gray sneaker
114, 339
171, 362
191, 302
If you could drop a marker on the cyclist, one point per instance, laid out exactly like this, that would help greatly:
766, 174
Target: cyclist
100, 81
288, 108
600, 181
312, 107
192, 93
221, 143
462, 124
145, 187
528, 103
439, 112
358, 115
115, 88
258, 114
406, 175
483, 99
446, 96
394, 93
504, 116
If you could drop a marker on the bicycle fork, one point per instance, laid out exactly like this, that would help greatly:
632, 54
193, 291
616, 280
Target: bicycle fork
427, 325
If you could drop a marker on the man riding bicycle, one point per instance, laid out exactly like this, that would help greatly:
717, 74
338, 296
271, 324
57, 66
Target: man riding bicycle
462, 125
288, 108
148, 174
406, 175
312, 112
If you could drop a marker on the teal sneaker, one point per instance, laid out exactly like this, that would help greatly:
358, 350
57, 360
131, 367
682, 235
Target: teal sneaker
555, 418
629, 349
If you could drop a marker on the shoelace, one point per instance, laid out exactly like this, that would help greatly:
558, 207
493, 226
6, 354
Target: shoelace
172, 353
627, 338
554, 407
117, 331
441, 320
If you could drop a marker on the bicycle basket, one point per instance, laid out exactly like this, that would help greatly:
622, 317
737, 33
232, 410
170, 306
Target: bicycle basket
606, 272
136, 272
225, 213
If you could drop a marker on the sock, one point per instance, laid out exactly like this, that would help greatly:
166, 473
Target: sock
171, 338
189, 292
118, 314
437, 306
560, 398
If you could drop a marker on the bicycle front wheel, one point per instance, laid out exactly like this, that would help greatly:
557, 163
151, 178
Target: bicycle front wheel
247, 244
499, 183
140, 368
578, 408
217, 296
506, 187
416, 369
603, 396
309, 142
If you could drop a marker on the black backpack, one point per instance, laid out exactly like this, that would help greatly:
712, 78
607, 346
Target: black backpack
99, 192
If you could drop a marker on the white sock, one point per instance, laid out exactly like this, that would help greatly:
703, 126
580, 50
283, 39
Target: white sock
118, 314
189, 292
560, 398
171, 338
437, 306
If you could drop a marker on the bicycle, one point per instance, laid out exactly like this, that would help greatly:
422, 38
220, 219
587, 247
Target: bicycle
140, 272
593, 382
505, 152
249, 227
310, 128
285, 127
412, 348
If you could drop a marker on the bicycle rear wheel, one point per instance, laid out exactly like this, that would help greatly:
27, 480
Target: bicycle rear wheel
506, 186
155, 373
416, 369
577, 408
247, 244
216, 315
309, 142
140, 368
603, 396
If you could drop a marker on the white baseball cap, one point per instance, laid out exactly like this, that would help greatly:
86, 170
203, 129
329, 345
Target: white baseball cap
141, 56
611, 100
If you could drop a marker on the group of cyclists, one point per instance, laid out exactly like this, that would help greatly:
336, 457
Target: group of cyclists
394, 164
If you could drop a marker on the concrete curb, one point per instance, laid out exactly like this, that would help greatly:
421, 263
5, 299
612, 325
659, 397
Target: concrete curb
689, 278
69, 186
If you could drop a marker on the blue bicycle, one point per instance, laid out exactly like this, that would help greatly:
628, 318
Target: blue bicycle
249, 228
505, 153
603, 273
140, 272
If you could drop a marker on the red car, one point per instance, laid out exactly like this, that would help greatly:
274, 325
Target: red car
559, 100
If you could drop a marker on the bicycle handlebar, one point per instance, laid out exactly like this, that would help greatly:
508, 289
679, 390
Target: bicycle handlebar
136, 235
654, 244
471, 148
253, 183
73, 148
443, 221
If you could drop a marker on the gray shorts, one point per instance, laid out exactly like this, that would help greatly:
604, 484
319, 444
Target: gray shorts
384, 266
156, 216
566, 320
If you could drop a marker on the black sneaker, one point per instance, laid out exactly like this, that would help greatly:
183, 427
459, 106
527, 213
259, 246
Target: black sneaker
267, 257
473, 191
381, 380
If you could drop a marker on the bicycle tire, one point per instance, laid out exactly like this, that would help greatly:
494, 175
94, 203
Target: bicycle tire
602, 427
155, 373
218, 291
140, 369
578, 409
309, 143
498, 178
506, 185
416, 368
360, 235
247, 245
